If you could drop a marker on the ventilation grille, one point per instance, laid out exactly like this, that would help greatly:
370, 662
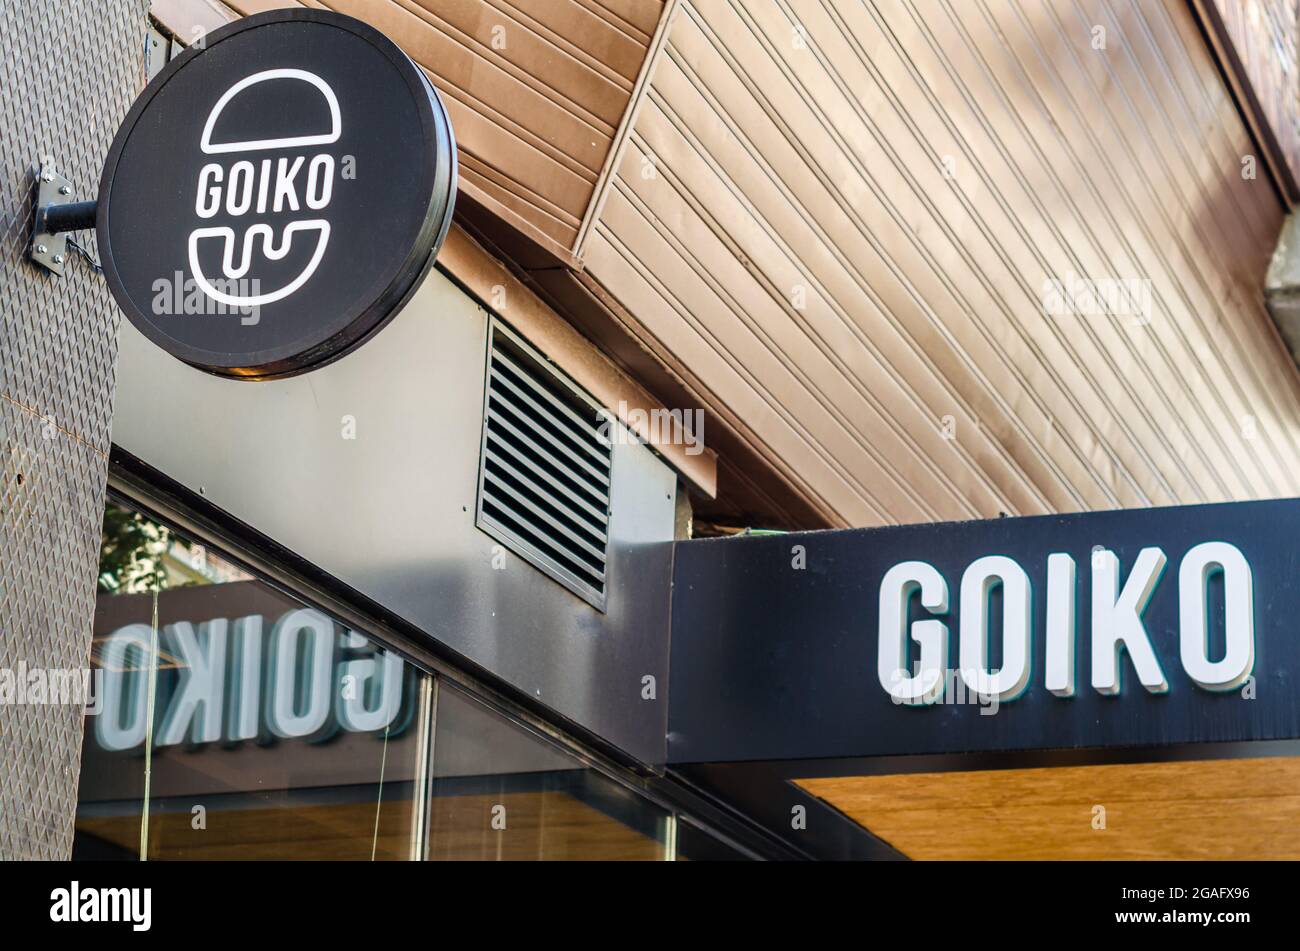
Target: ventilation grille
544, 474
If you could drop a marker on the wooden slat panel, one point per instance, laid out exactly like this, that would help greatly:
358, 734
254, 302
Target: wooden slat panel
1266, 37
536, 90
1208, 809
543, 825
632, 16
582, 30
845, 217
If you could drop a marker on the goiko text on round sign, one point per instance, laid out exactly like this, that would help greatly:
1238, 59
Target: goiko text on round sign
276, 194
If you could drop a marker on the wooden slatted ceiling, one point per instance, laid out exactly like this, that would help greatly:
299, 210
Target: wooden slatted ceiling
535, 88
917, 171
1266, 37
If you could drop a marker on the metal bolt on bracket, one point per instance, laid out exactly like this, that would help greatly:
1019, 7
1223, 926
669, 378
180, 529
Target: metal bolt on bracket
56, 214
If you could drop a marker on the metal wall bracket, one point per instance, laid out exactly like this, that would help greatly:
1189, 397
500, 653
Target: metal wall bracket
57, 213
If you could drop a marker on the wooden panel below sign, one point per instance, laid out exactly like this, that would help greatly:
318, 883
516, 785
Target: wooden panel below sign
1204, 809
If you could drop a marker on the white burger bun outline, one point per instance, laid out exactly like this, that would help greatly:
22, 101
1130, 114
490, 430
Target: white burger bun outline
336, 122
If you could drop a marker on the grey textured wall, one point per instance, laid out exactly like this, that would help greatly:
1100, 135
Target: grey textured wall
68, 73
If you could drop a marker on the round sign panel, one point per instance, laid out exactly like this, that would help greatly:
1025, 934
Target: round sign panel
275, 195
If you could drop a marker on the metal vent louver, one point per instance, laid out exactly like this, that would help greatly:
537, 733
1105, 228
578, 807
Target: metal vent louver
544, 472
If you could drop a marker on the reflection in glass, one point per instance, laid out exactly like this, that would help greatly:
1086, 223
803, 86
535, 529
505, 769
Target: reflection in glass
236, 722
696, 845
502, 793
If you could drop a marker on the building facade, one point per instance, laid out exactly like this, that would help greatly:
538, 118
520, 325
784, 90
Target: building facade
717, 268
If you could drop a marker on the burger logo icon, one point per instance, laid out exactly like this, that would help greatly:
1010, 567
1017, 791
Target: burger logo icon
253, 183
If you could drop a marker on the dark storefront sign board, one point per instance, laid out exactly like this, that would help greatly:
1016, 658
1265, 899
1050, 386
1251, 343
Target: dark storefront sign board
276, 194
775, 662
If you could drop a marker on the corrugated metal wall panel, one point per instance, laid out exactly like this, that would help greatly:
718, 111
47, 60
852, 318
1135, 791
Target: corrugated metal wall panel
535, 88
58, 353
917, 172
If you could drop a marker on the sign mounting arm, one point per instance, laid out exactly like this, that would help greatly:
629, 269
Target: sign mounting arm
57, 214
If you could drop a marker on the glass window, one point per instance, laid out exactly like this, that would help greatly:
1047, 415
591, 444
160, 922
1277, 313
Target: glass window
696, 845
502, 792
233, 721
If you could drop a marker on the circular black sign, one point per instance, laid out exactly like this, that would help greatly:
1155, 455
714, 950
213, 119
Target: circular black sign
275, 195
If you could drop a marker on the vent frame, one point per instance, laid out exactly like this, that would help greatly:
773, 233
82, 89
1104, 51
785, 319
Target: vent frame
576, 554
